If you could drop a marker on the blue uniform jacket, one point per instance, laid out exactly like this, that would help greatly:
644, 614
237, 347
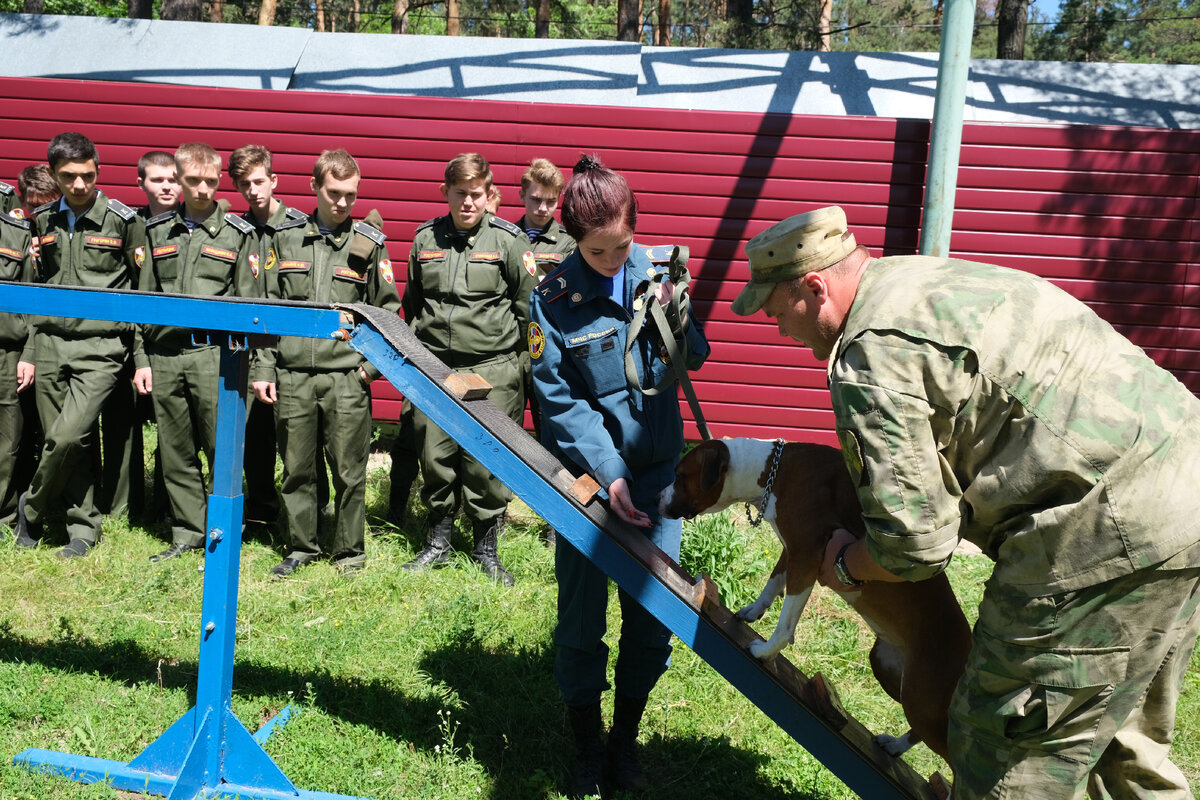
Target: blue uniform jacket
592, 420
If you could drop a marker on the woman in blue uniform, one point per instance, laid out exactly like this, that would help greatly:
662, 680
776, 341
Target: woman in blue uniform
628, 441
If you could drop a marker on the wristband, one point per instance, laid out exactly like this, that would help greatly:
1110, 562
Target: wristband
842, 571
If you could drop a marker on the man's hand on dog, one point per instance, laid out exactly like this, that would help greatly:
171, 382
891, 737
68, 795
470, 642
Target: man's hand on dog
828, 575
620, 502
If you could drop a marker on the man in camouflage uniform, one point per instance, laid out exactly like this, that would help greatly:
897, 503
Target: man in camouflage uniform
87, 240
17, 365
981, 403
250, 169
197, 248
320, 386
467, 300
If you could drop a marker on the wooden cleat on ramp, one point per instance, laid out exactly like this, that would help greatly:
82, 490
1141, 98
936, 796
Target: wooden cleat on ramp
467, 386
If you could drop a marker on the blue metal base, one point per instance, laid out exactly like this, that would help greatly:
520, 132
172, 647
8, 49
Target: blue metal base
174, 764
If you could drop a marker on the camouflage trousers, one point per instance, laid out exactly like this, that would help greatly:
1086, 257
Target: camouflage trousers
1076, 693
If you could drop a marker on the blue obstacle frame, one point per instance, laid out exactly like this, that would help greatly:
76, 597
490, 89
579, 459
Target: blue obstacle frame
208, 753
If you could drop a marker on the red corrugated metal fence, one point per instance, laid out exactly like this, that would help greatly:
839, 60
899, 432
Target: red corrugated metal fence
1109, 213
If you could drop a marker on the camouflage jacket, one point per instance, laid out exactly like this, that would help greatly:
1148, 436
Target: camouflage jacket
981, 403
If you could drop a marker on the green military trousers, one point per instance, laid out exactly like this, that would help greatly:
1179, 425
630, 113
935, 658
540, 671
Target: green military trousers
185, 407
74, 378
11, 426
329, 410
1076, 692
449, 469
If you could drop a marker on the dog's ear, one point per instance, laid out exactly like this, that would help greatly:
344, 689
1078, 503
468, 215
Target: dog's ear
716, 461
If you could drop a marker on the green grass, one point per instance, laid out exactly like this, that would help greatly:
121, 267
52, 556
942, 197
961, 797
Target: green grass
436, 684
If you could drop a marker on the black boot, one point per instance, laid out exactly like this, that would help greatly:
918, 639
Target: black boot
622, 771
587, 774
485, 551
437, 545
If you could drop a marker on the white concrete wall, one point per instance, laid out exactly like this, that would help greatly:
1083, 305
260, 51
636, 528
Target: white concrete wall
591, 72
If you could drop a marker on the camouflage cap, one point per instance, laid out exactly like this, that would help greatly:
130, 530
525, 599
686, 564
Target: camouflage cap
797, 246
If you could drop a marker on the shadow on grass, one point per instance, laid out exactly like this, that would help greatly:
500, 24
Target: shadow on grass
510, 719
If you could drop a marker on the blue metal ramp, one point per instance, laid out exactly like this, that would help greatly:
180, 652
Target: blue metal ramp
207, 753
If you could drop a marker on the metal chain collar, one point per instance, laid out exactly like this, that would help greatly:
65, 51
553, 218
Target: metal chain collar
776, 453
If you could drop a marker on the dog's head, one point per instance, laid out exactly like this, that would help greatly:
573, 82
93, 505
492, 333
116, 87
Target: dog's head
699, 479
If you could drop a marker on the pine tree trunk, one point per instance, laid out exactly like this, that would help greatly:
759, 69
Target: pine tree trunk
663, 37
216, 12
541, 25
182, 10
266, 12
400, 17
629, 18
320, 16
452, 18
826, 17
34, 6
1011, 17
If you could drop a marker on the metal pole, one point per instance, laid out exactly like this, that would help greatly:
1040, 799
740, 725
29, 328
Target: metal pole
954, 64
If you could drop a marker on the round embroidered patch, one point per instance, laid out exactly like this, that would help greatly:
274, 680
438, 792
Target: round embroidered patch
385, 270
270, 258
17, 213
139, 256
537, 341
530, 263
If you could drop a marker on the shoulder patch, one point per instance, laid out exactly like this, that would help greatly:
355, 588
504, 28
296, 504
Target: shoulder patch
120, 209
553, 286
374, 234
659, 254
19, 222
293, 223
295, 213
239, 223
45, 207
428, 223
505, 225
6, 188
158, 219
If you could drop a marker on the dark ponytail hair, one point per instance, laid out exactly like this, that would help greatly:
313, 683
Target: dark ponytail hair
595, 198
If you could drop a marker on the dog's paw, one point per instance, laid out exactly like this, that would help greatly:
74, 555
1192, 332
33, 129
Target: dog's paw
762, 650
751, 613
894, 746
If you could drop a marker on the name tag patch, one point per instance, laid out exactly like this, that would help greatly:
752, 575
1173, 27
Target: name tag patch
590, 337
430, 255
102, 241
491, 255
287, 266
218, 252
8, 251
350, 274
165, 250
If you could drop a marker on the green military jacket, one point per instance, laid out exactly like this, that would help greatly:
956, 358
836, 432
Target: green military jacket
981, 403
16, 265
323, 269
265, 233
8, 198
101, 254
217, 258
467, 296
548, 248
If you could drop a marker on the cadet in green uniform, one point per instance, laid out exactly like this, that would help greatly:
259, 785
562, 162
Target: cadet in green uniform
541, 189
320, 387
250, 168
17, 365
8, 198
981, 403
36, 188
85, 240
467, 300
197, 248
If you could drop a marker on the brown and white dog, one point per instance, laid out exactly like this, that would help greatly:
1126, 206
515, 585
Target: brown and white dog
922, 638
